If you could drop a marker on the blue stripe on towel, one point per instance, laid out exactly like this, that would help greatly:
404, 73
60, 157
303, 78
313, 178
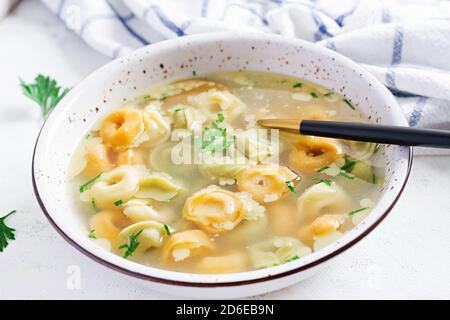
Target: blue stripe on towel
340, 20
127, 27
386, 15
398, 46
321, 27
249, 9
205, 4
164, 20
390, 79
417, 112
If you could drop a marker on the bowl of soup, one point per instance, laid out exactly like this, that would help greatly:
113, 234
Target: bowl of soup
155, 167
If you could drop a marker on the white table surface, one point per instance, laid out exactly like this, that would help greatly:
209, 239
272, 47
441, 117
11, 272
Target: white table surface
407, 256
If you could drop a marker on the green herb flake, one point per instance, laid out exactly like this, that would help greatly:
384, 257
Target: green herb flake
348, 165
297, 85
148, 97
215, 138
322, 169
118, 203
6, 233
45, 92
320, 180
292, 259
194, 73
85, 186
92, 234
132, 245
347, 102
163, 98
346, 175
374, 179
357, 211
314, 95
328, 94
178, 110
94, 204
290, 186
167, 229
220, 117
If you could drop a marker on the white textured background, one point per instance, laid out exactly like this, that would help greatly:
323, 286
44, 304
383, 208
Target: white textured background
408, 256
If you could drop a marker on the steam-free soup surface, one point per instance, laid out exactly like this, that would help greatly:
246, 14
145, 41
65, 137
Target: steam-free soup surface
182, 179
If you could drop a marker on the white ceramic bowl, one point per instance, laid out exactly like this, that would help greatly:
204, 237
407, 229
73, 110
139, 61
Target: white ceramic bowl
122, 79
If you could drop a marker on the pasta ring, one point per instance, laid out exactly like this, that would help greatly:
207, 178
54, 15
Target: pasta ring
108, 224
214, 210
182, 245
97, 159
312, 153
122, 127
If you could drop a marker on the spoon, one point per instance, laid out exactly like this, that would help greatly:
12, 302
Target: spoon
404, 136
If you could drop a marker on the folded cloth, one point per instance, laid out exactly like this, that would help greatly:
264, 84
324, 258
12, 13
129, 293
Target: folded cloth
5, 6
404, 43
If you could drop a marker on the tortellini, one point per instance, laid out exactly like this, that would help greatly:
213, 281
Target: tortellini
231, 263
214, 210
108, 224
140, 210
265, 182
276, 250
321, 228
214, 101
129, 156
157, 186
185, 244
359, 150
185, 117
151, 234
121, 183
221, 169
122, 127
322, 199
254, 144
312, 153
282, 219
156, 129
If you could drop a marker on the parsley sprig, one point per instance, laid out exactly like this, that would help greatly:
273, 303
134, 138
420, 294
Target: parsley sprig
215, 137
132, 245
6, 233
45, 92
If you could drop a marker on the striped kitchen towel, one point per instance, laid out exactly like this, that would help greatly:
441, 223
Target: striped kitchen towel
404, 43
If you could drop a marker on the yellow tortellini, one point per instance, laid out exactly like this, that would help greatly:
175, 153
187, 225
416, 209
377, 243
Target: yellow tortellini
322, 227
185, 244
156, 129
265, 182
214, 210
121, 183
214, 101
122, 127
107, 224
157, 186
322, 199
151, 234
231, 263
312, 153
276, 250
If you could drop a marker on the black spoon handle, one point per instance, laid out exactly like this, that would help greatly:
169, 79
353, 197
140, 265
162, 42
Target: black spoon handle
405, 136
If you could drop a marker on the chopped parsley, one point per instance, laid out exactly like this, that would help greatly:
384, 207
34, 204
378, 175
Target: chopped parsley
349, 104
346, 175
194, 73
357, 211
167, 229
6, 233
92, 234
293, 259
179, 109
94, 204
220, 117
45, 92
374, 179
215, 138
297, 85
163, 98
290, 186
328, 94
322, 169
348, 164
118, 203
313, 94
85, 186
132, 245
320, 180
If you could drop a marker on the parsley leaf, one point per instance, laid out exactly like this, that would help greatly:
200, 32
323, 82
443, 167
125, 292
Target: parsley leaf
132, 245
92, 234
118, 203
290, 186
320, 180
297, 85
292, 259
357, 211
85, 186
45, 92
347, 102
322, 169
215, 138
166, 228
6, 233
348, 165
314, 95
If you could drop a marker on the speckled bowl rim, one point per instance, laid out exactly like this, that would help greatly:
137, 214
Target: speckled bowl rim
212, 280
